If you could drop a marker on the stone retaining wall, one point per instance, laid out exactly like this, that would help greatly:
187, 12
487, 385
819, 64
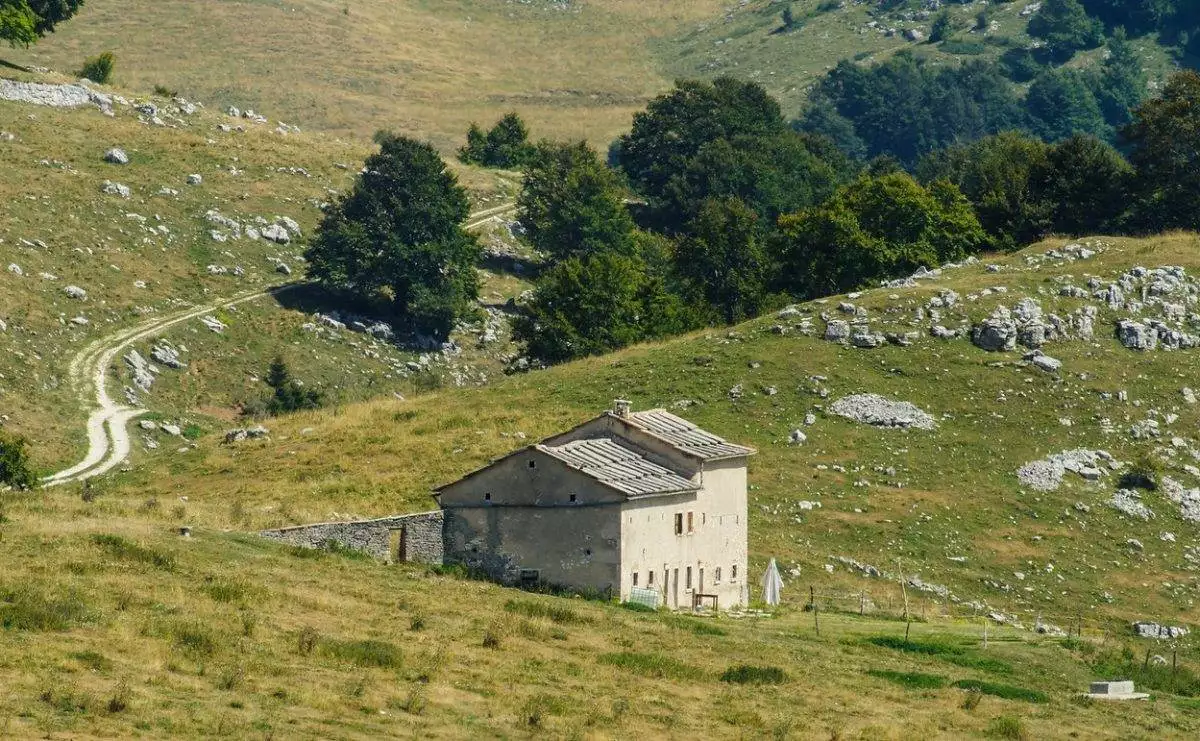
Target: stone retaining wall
422, 534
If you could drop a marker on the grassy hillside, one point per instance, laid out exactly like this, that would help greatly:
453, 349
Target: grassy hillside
573, 69
150, 254
946, 502
115, 625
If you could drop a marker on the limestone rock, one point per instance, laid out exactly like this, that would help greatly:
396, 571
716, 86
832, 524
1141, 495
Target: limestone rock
996, 333
76, 292
116, 156
878, 411
276, 233
116, 189
1136, 336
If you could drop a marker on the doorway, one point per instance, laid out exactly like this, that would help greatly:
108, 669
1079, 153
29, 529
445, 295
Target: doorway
398, 545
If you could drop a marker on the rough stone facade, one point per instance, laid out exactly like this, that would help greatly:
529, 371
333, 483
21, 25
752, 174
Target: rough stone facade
416, 538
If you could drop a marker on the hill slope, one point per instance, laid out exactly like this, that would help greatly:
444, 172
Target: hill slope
165, 246
114, 624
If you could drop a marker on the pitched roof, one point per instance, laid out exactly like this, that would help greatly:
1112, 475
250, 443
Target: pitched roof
685, 436
618, 467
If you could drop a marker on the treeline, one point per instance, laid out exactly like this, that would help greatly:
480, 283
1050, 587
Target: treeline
735, 211
714, 208
906, 108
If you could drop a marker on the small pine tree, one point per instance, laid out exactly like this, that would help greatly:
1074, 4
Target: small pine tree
943, 27
288, 394
789, 18
475, 150
15, 469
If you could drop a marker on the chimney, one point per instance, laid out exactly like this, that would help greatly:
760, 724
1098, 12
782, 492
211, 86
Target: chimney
621, 407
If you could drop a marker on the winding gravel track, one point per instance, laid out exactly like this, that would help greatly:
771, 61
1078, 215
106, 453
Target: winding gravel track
107, 425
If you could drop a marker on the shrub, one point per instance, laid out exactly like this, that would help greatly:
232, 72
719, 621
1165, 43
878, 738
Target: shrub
417, 623
746, 674
971, 701
637, 607
119, 702
307, 640
1143, 472
194, 638
650, 665
556, 613
25, 609
364, 653
15, 468
66, 699
165, 91
128, 550
1006, 691
1007, 726
99, 68
911, 680
491, 639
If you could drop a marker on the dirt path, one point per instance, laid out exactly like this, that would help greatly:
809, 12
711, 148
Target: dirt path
107, 425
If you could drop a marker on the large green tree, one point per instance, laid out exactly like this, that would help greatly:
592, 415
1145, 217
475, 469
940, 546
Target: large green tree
1165, 141
505, 145
593, 304
1085, 184
874, 228
1066, 28
23, 22
572, 204
996, 175
722, 261
400, 230
1122, 80
668, 136
1061, 103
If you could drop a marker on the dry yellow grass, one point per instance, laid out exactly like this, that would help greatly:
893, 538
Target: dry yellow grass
574, 70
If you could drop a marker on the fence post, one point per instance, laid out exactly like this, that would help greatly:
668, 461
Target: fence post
985, 632
862, 602
812, 597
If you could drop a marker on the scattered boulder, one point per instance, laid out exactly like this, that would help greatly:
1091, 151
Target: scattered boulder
1146, 629
1136, 336
76, 292
195, 179
167, 355
251, 433
1047, 474
878, 411
116, 156
143, 372
276, 233
997, 333
116, 189
837, 330
1129, 502
797, 437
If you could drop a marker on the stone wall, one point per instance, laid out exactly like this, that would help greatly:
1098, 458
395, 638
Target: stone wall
422, 534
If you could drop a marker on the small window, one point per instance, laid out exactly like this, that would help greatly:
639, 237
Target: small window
573, 498
733, 573
687, 584
679, 523
717, 575
691, 523
587, 551
487, 497
530, 577
635, 578
703, 518
649, 579
533, 464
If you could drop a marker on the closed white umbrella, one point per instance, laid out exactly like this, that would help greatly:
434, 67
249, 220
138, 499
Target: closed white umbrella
772, 584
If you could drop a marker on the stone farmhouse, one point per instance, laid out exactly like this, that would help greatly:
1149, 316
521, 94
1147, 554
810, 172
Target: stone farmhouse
626, 501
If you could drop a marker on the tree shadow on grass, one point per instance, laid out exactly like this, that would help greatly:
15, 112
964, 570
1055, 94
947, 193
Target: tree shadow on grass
316, 298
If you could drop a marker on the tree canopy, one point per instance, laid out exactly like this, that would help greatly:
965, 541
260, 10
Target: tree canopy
1066, 27
22, 22
722, 262
506, 145
571, 204
1165, 141
874, 228
400, 229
